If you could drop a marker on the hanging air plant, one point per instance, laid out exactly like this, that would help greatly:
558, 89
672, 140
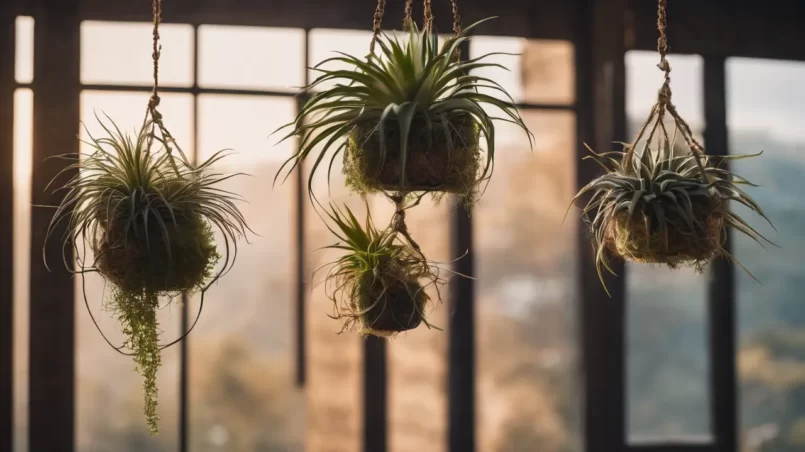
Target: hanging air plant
379, 284
411, 118
664, 205
148, 215
148, 218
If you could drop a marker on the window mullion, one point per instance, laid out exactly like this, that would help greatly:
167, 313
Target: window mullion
721, 298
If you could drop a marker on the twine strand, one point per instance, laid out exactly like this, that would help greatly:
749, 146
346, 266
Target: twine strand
427, 23
398, 221
456, 17
153, 102
167, 139
409, 6
377, 22
456, 25
664, 103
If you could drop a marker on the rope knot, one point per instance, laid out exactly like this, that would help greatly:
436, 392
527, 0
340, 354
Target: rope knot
398, 221
154, 101
664, 96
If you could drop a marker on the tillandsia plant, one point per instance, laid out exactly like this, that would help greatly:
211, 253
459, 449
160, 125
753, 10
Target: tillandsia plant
411, 118
148, 217
379, 284
666, 207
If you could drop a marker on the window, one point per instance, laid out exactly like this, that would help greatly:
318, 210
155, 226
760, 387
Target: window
235, 381
23, 148
115, 53
241, 375
105, 380
227, 58
526, 302
763, 111
666, 336
240, 372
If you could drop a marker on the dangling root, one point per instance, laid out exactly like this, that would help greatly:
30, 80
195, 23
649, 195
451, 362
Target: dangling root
137, 314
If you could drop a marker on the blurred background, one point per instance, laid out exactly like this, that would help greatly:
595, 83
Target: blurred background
532, 348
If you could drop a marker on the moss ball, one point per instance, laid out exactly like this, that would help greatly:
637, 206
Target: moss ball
178, 261
639, 240
431, 165
399, 308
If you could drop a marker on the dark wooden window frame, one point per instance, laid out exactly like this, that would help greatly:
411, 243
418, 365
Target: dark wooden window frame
714, 29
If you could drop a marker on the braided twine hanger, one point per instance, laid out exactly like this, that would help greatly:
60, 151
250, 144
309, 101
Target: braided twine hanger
408, 19
153, 102
664, 104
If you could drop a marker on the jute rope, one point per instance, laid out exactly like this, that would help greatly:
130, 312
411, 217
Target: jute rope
427, 22
153, 103
409, 6
664, 103
398, 221
377, 23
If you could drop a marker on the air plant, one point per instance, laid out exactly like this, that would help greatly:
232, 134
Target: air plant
665, 207
409, 118
379, 284
148, 216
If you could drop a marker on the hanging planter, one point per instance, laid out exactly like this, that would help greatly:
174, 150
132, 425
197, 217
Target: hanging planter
410, 118
664, 205
377, 285
148, 215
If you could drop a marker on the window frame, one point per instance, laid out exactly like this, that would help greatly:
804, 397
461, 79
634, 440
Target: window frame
600, 116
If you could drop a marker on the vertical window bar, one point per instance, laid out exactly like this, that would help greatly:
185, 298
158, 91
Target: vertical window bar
461, 336
184, 399
461, 331
721, 298
601, 119
52, 310
299, 205
375, 395
7, 85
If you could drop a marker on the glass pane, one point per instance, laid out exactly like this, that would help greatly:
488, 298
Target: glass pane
243, 396
120, 53
127, 110
764, 113
335, 361
542, 72
246, 57
109, 414
526, 291
324, 43
24, 49
667, 389
23, 149
417, 359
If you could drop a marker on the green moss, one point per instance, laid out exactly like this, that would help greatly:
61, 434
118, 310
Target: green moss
433, 163
137, 313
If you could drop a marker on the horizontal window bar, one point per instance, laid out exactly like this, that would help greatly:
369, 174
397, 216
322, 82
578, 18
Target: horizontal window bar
676, 447
188, 90
245, 92
692, 443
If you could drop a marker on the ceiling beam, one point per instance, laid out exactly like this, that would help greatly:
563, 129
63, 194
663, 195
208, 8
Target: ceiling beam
755, 29
545, 19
